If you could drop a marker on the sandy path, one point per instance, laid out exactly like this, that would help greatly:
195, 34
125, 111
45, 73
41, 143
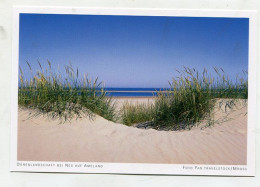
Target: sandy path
40, 139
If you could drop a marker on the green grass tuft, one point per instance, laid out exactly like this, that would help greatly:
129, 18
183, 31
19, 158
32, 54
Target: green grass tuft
65, 95
190, 99
131, 114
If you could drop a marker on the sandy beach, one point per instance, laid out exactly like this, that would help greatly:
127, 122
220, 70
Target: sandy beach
84, 140
119, 101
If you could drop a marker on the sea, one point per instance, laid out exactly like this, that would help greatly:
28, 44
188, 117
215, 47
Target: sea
132, 92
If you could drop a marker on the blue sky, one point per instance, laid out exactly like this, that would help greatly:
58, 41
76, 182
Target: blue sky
133, 51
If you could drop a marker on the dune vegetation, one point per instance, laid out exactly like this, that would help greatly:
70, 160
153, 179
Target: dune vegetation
190, 98
64, 95
137, 113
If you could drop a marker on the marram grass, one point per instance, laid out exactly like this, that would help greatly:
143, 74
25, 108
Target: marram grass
189, 100
132, 114
64, 96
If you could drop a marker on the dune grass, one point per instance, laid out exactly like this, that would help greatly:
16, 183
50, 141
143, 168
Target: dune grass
65, 95
189, 100
132, 114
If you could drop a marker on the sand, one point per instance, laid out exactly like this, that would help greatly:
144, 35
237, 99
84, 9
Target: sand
119, 101
41, 139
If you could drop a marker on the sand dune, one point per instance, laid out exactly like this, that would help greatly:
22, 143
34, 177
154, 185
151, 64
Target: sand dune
41, 139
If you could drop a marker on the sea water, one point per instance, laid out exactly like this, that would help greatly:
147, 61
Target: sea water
132, 92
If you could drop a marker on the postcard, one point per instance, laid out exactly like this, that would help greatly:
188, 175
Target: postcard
133, 91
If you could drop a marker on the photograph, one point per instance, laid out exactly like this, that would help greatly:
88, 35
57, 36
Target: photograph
132, 90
